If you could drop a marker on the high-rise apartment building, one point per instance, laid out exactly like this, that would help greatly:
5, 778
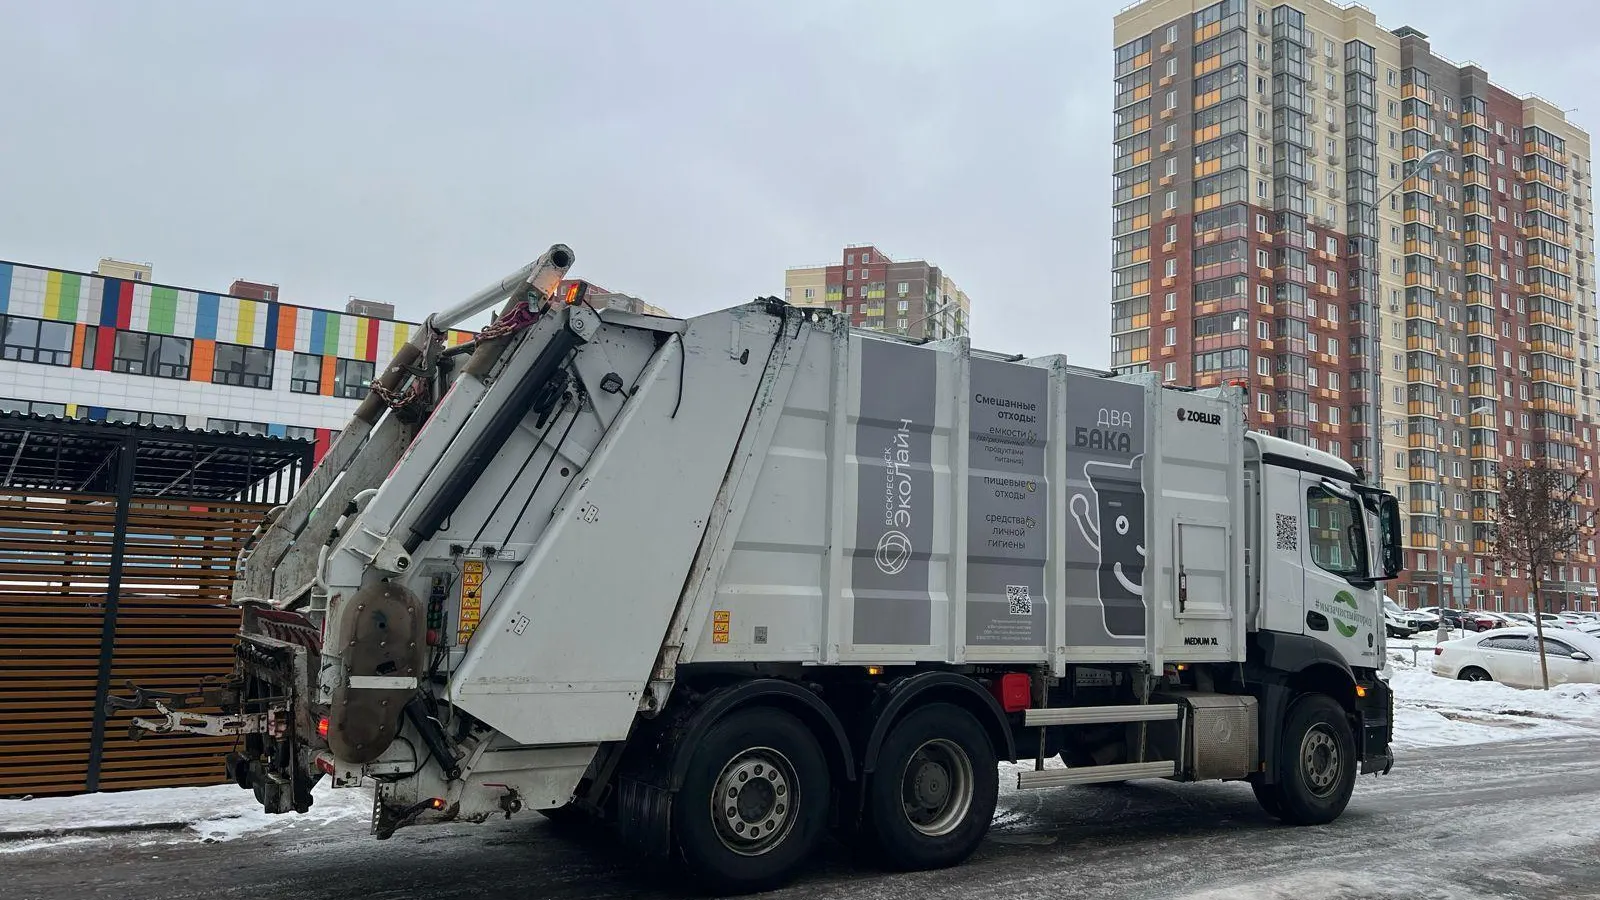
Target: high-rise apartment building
912, 298
1391, 252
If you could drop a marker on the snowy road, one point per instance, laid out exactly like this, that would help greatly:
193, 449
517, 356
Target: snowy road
1502, 820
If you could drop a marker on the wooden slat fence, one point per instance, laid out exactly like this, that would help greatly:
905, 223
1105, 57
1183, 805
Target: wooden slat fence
67, 638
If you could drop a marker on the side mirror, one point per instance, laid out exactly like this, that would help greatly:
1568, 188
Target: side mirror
1581, 656
1393, 551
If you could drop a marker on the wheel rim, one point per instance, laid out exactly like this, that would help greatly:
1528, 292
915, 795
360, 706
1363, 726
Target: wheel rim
754, 801
1319, 760
937, 787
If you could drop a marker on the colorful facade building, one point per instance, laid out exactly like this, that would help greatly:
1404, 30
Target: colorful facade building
102, 347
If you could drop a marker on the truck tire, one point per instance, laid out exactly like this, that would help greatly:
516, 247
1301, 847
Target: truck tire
1316, 764
931, 799
754, 803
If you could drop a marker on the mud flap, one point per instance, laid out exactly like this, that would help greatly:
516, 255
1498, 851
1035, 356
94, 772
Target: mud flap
386, 627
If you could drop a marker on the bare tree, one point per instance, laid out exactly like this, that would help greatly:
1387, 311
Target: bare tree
1540, 521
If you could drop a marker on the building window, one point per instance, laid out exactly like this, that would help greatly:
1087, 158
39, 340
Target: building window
1171, 337
236, 425
160, 355
1171, 301
242, 366
351, 377
36, 340
1170, 372
902, 289
300, 433
33, 408
1172, 268
137, 417
306, 375
811, 293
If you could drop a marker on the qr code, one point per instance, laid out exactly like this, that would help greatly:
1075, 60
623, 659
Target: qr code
1019, 600
1288, 532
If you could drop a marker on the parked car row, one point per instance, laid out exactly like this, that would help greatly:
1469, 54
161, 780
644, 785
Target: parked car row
1402, 623
1511, 656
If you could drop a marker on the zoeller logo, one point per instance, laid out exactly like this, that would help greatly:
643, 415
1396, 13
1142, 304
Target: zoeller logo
1195, 415
894, 547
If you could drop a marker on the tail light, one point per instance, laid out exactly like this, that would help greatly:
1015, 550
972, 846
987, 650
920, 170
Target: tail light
1438, 650
322, 728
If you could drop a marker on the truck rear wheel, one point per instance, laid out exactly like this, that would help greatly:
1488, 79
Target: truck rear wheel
754, 805
1316, 764
932, 797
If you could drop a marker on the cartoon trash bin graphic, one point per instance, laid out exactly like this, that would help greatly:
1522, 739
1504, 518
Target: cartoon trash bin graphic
1112, 522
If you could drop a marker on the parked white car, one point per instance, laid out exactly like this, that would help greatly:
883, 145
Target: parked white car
1510, 656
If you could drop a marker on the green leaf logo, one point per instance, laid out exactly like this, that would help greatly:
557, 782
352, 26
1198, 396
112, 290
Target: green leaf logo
1346, 630
1347, 599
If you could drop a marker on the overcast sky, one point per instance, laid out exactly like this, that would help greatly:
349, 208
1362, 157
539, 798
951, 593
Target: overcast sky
688, 150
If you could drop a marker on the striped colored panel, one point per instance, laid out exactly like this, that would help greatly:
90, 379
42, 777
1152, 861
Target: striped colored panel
110, 298
52, 295
205, 353
5, 287
324, 441
286, 325
456, 338
105, 346
277, 430
72, 410
327, 375
319, 331
205, 317
124, 318
163, 310
269, 336
78, 332
330, 335
97, 414
244, 330
369, 341
402, 334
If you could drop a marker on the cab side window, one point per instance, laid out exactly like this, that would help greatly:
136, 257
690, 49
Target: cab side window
1328, 521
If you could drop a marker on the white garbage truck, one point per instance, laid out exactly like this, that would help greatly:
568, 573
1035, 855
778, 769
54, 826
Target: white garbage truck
733, 582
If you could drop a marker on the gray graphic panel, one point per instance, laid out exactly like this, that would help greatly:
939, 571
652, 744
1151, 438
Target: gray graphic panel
1007, 505
1106, 528
894, 503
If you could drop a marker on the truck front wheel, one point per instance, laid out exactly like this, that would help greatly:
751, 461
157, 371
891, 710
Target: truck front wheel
1316, 764
932, 796
754, 804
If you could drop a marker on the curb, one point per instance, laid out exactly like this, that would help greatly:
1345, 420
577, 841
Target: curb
8, 837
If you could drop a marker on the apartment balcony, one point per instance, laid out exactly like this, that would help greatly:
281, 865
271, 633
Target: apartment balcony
1545, 317
1484, 451
1422, 441
1546, 261
1485, 483
1550, 404
1553, 376
1550, 153
1545, 206
1478, 178
1551, 347
1422, 408
1478, 267
1479, 208
1418, 342
1482, 515
1481, 298
1532, 232
1423, 541
1415, 92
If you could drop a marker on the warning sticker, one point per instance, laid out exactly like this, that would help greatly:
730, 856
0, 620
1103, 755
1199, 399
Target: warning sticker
720, 620
471, 598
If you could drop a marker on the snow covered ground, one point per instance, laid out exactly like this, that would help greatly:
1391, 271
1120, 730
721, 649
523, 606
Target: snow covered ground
1429, 712
219, 813
1435, 712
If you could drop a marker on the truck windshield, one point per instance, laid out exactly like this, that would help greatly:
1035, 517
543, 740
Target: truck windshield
1337, 539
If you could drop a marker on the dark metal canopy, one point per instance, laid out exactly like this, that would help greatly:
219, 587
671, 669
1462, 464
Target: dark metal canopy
53, 454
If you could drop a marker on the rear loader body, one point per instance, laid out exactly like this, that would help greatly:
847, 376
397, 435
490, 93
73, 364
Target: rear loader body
730, 582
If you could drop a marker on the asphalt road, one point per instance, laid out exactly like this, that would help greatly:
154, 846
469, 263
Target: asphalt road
1502, 821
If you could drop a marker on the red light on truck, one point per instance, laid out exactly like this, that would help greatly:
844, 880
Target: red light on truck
322, 728
1014, 690
437, 803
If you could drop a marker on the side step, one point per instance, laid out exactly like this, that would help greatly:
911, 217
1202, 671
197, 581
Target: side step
1095, 774
1099, 715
